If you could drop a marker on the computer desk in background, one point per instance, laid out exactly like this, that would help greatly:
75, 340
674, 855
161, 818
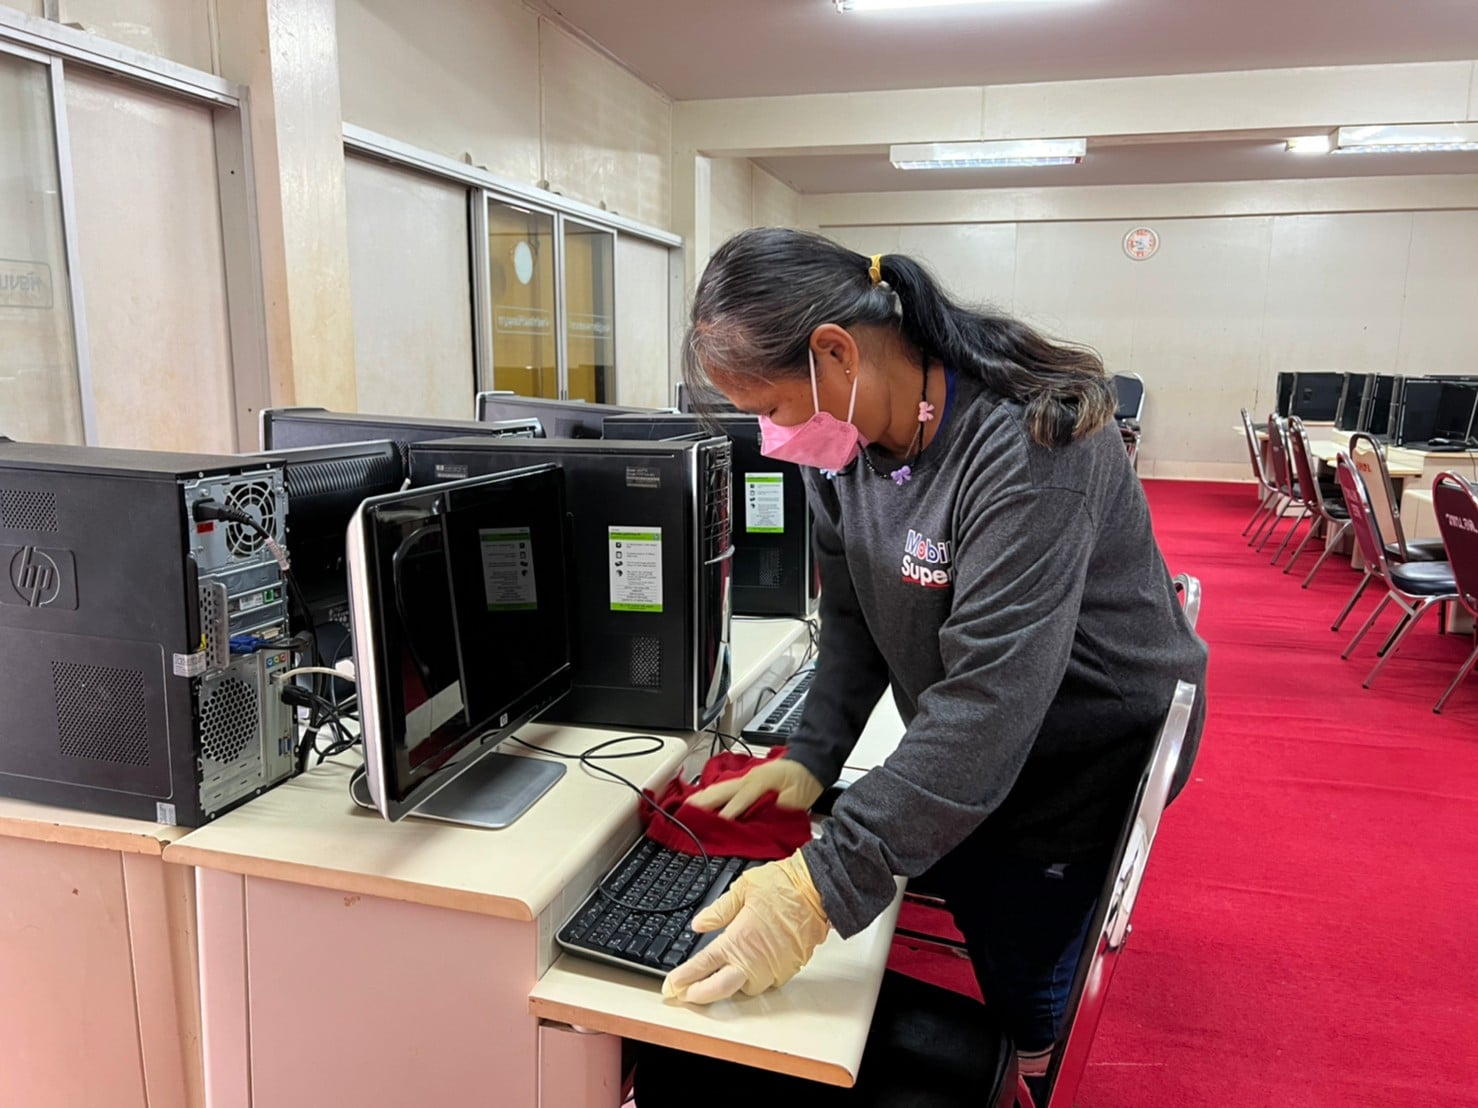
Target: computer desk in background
344, 959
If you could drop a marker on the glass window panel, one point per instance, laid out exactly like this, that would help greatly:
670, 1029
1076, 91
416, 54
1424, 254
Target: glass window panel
590, 312
521, 277
39, 396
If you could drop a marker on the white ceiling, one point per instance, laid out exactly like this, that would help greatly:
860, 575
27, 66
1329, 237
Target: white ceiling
1136, 164
699, 49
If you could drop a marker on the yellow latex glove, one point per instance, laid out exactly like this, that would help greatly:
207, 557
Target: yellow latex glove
797, 787
772, 919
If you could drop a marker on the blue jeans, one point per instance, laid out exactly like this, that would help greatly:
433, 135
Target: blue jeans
1024, 924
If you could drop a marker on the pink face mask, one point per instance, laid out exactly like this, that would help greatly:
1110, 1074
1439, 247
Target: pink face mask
823, 441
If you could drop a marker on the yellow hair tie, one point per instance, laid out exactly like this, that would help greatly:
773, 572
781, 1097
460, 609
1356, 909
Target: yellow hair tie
875, 271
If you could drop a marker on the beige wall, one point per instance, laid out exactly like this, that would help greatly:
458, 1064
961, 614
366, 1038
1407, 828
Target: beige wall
179, 30
1224, 306
491, 80
643, 338
744, 195
412, 297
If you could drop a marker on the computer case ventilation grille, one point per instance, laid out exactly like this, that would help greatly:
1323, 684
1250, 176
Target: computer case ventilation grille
257, 500
215, 625
23, 510
765, 569
228, 720
101, 713
717, 464
646, 662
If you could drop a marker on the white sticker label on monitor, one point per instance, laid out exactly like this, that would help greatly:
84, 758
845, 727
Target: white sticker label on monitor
508, 569
764, 503
636, 569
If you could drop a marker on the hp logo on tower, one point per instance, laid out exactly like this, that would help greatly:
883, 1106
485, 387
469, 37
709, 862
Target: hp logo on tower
39, 578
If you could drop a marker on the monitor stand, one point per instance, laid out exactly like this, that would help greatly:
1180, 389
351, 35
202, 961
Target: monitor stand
492, 792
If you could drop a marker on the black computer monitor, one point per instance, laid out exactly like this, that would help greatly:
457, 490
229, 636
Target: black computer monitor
1375, 405
1352, 401
286, 428
1313, 397
561, 419
774, 574
325, 486
701, 401
1452, 424
460, 595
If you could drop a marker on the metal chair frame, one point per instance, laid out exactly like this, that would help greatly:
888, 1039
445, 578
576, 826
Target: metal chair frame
1378, 565
1303, 459
1456, 505
1109, 928
1268, 494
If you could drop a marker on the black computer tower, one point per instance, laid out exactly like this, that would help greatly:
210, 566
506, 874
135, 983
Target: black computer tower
120, 690
653, 558
774, 573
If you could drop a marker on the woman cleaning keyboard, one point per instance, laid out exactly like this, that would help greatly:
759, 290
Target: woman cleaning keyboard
986, 551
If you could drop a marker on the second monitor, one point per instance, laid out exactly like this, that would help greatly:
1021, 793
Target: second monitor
773, 570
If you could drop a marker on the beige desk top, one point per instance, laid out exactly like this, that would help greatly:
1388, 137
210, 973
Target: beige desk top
20, 819
757, 643
308, 831
814, 1027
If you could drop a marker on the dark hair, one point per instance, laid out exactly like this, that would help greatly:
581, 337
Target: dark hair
766, 289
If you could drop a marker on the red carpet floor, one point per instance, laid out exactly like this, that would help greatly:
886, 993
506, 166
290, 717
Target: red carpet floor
1306, 933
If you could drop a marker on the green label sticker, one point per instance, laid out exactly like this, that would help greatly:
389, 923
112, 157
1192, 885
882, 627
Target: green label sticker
635, 568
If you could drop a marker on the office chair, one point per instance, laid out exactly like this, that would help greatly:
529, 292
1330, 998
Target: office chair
1129, 397
1456, 505
1414, 586
1128, 408
1268, 492
1369, 461
1331, 513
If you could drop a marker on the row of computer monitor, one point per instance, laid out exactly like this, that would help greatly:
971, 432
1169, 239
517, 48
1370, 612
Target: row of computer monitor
493, 574
1429, 412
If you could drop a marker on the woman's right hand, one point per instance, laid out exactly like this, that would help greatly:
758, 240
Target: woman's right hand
796, 785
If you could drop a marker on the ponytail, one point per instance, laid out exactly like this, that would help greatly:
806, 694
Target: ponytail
766, 289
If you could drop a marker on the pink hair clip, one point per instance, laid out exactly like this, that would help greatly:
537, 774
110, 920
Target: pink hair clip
926, 411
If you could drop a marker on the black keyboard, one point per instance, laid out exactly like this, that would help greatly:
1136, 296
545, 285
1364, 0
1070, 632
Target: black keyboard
642, 937
779, 716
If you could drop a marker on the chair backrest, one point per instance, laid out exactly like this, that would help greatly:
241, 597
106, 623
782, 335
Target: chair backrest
1370, 460
1188, 588
1303, 463
1110, 924
1362, 517
1456, 503
1278, 455
1129, 390
1254, 452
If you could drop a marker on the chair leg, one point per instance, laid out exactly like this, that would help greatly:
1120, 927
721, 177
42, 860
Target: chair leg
1262, 506
1396, 632
1411, 621
1359, 592
1275, 511
1329, 547
1456, 681
1308, 538
1303, 515
1368, 624
1281, 516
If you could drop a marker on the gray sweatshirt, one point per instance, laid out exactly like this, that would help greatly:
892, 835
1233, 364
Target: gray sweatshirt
1016, 600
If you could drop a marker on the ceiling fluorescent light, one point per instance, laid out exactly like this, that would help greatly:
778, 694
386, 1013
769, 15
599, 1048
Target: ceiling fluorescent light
901, 5
1417, 138
988, 155
1310, 144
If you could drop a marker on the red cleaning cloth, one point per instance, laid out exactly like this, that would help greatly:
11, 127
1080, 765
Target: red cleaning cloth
765, 832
